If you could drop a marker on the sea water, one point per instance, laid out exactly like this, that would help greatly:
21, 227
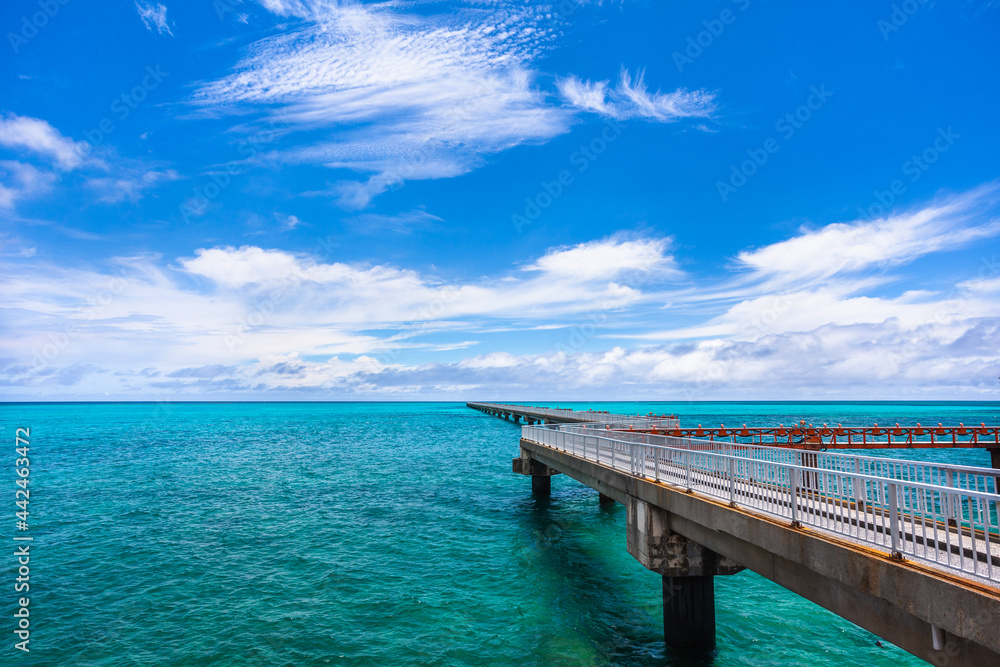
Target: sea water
369, 534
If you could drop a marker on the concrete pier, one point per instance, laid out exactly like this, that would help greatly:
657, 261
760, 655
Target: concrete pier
541, 474
541, 485
689, 612
688, 570
920, 573
923, 610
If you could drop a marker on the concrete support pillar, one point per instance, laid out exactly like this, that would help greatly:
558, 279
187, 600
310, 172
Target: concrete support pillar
541, 485
689, 612
541, 474
688, 571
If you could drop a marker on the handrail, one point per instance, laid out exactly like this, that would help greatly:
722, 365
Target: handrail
852, 437
930, 519
832, 455
806, 468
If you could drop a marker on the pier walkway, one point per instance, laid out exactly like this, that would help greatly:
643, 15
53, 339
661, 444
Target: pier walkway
535, 415
909, 550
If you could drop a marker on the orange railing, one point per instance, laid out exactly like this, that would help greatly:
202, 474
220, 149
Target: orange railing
807, 436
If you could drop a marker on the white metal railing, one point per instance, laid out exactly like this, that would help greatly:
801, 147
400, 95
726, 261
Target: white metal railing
940, 514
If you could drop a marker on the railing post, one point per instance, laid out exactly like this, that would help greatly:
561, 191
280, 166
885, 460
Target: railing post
949, 504
859, 494
732, 478
688, 453
613, 454
656, 464
894, 519
793, 485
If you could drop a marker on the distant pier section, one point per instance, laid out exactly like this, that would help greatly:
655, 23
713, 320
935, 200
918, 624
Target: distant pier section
530, 415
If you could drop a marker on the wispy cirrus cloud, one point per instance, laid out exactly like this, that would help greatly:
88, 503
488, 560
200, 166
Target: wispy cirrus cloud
845, 248
154, 17
129, 185
406, 222
631, 99
22, 181
401, 96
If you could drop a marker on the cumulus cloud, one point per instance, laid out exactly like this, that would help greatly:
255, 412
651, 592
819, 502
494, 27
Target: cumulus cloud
53, 153
253, 303
38, 137
555, 282
609, 258
253, 319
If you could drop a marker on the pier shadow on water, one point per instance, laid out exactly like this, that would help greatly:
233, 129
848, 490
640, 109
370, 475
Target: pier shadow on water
590, 583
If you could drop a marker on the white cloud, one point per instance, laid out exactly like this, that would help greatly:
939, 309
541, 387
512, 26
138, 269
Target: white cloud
37, 136
610, 258
129, 186
586, 95
231, 267
254, 319
402, 223
22, 181
154, 17
235, 305
288, 222
631, 99
385, 294
408, 96
844, 248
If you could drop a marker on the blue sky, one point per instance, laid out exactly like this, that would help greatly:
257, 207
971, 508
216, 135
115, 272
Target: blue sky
577, 200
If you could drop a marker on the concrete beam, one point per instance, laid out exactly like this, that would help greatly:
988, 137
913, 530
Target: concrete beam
903, 602
650, 541
528, 466
541, 474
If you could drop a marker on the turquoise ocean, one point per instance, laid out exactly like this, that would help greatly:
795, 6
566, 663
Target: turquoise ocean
369, 534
